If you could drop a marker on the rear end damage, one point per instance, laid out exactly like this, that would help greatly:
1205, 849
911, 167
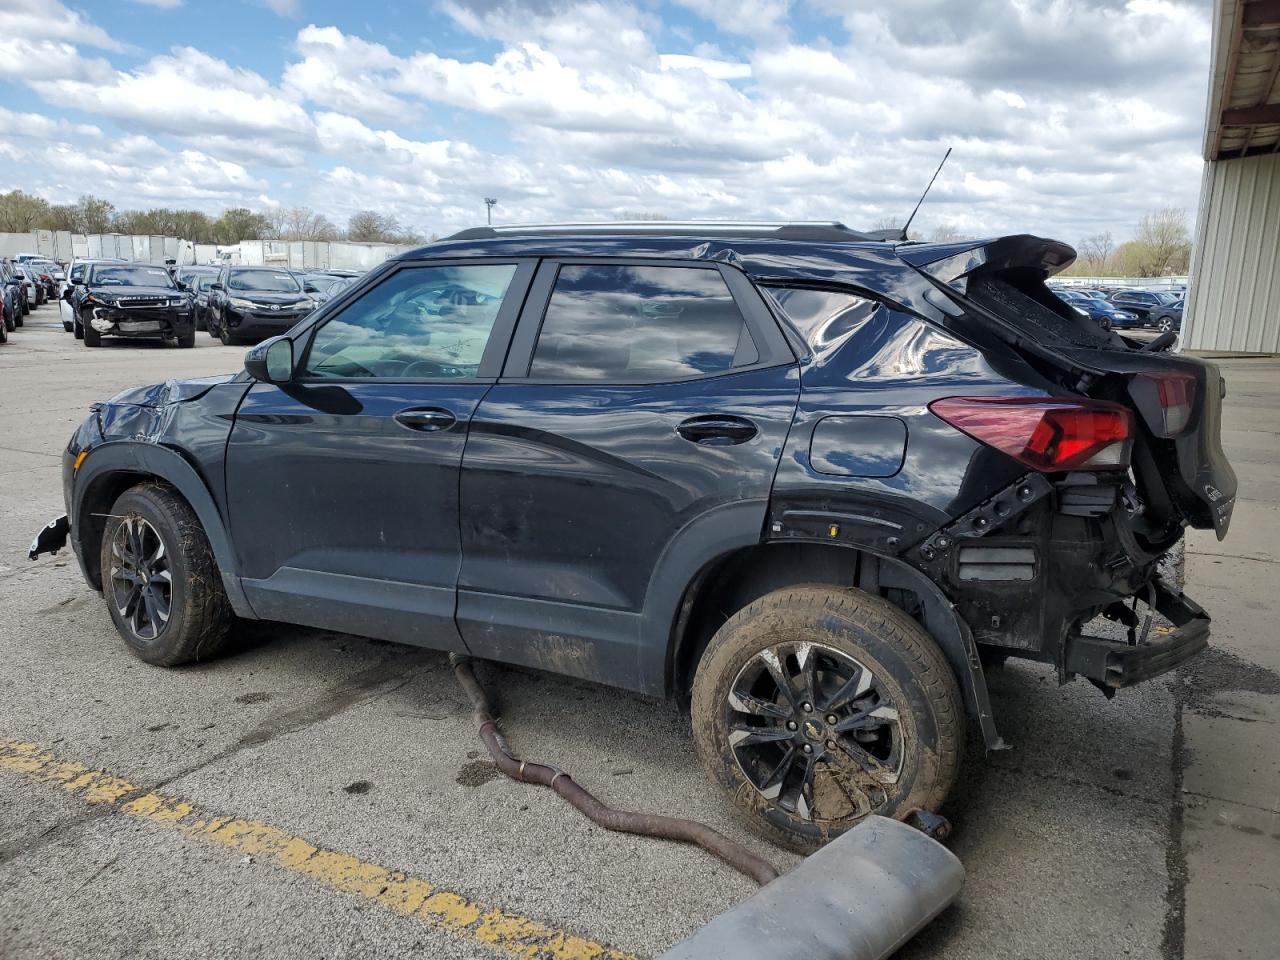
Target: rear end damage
1121, 459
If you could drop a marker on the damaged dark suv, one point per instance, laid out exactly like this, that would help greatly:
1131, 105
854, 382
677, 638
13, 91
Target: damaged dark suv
808, 479
135, 301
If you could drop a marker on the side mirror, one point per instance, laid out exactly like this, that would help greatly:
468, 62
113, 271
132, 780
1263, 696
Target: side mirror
309, 288
66, 294
271, 361
215, 286
181, 285
77, 281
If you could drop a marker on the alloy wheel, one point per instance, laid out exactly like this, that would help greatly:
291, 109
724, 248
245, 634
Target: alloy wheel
814, 731
141, 581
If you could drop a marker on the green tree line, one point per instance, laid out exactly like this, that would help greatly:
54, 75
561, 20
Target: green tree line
22, 212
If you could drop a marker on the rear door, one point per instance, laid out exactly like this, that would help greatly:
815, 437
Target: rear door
633, 436
343, 485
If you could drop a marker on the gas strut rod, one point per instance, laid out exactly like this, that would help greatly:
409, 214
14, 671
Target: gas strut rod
622, 821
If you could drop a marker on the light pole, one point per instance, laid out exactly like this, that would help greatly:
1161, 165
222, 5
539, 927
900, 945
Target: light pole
489, 204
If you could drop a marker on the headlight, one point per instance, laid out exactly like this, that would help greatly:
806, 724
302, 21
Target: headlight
240, 304
178, 302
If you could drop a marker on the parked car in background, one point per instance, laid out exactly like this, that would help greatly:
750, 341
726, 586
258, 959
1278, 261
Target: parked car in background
199, 291
13, 295
185, 273
1140, 302
33, 287
795, 474
52, 275
250, 303
131, 301
324, 286
1107, 314
1167, 317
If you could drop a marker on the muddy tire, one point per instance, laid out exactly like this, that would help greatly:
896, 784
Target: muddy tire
160, 581
870, 721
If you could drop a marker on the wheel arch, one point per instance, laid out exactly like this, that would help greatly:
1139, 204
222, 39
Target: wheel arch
114, 467
734, 579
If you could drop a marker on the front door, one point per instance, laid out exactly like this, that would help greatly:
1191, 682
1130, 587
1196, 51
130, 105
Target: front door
343, 486
634, 434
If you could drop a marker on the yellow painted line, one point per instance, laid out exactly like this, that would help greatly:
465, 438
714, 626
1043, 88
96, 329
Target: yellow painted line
453, 913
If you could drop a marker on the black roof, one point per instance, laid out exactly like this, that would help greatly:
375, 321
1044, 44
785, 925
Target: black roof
811, 231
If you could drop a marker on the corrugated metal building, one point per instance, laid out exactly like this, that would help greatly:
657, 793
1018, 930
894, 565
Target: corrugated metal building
1233, 303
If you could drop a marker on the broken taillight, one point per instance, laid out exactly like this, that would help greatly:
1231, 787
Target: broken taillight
1045, 433
1173, 393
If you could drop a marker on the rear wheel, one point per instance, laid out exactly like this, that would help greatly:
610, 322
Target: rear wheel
816, 706
1165, 324
160, 580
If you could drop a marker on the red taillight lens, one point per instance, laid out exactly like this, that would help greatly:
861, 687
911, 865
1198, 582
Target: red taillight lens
1043, 433
1174, 393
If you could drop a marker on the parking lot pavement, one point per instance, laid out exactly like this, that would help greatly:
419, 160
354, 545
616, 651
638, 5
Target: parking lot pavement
322, 795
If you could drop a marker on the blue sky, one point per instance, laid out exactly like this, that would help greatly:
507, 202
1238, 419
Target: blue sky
1068, 117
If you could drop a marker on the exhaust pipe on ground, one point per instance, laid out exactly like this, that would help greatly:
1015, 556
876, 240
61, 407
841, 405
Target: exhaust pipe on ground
861, 897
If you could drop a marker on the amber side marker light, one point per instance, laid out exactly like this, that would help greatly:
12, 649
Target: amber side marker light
79, 459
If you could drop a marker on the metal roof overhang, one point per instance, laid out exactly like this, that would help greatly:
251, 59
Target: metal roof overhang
1244, 102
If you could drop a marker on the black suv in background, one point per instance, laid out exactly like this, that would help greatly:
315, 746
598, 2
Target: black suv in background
809, 479
1141, 302
249, 303
192, 277
136, 301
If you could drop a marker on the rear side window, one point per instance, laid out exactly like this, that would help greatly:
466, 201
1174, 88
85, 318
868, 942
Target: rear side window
640, 324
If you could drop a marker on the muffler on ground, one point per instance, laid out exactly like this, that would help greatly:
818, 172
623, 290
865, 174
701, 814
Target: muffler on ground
861, 897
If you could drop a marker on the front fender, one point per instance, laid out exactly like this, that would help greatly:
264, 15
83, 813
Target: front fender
107, 463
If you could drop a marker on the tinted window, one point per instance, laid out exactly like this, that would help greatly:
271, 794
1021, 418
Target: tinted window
633, 324
422, 323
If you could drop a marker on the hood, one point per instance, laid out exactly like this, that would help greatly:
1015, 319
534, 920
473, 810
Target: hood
268, 296
171, 391
126, 294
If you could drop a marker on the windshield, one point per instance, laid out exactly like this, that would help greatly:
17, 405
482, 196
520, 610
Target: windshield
200, 282
271, 281
128, 275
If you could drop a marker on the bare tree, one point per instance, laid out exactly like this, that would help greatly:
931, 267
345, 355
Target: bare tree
299, 223
1165, 242
945, 233
1096, 251
368, 226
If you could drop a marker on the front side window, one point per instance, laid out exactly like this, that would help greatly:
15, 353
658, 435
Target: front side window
640, 324
421, 323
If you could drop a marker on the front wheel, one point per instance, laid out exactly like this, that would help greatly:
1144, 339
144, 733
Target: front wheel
90, 336
816, 706
187, 339
160, 579
1165, 325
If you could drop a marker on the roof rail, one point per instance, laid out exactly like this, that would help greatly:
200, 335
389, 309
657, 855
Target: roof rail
830, 231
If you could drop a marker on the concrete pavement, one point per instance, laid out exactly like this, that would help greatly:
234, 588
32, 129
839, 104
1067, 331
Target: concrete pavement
1143, 826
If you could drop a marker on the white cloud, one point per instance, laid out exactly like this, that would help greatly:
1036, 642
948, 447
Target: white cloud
1066, 117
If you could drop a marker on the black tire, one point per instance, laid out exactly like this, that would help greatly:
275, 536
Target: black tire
909, 718
187, 339
228, 338
90, 336
26, 309
199, 619
68, 326
4, 333
9, 322
77, 328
